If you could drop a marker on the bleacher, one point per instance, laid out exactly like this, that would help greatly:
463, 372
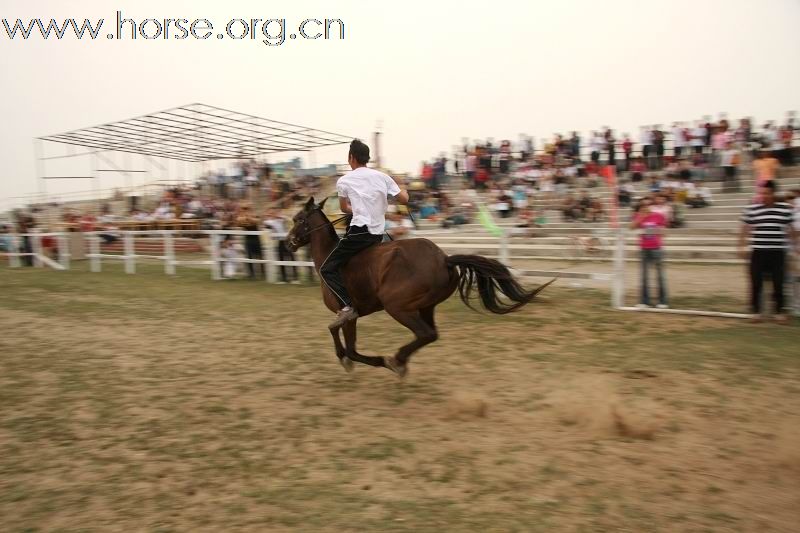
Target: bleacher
709, 236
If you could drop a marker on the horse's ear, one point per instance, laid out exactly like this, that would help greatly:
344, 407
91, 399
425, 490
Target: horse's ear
310, 203
322, 203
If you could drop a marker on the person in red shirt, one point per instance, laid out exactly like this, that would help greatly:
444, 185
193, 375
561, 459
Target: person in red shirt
651, 224
627, 148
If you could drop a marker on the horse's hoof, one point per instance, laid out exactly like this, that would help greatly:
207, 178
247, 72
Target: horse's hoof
347, 363
392, 364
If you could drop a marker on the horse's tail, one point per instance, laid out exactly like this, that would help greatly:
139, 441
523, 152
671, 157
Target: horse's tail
493, 279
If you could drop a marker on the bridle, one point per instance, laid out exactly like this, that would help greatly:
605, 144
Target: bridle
325, 224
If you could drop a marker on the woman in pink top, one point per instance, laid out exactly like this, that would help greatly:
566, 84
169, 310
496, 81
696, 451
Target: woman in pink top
652, 224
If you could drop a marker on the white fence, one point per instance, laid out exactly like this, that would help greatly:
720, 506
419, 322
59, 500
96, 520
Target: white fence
129, 256
269, 241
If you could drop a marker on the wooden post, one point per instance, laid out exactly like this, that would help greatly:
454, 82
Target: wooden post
272, 269
504, 253
169, 253
130, 257
63, 250
215, 264
95, 264
618, 289
13, 255
36, 248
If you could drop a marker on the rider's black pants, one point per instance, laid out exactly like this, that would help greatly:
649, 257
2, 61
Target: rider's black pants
355, 240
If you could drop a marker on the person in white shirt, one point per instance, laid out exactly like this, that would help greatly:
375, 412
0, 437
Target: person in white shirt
277, 226
597, 144
363, 192
698, 138
230, 267
399, 227
678, 142
646, 139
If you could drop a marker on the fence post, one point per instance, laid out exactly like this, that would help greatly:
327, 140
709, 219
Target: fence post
36, 248
64, 254
266, 243
618, 288
215, 274
272, 268
169, 253
13, 255
504, 257
95, 264
794, 282
130, 258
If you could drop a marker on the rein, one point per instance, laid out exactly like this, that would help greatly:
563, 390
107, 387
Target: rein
325, 224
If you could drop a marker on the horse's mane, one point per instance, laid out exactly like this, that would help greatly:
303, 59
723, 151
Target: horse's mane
328, 225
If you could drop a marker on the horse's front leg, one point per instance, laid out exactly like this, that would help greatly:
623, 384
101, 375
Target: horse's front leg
341, 353
350, 347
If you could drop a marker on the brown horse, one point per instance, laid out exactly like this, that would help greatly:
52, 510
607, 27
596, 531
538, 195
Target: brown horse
407, 278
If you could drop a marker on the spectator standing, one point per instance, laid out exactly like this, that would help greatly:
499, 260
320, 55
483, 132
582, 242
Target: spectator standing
596, 144
504, 157
658, 145
787, 157
470, 168
611, 147
277, 225
627, 148
252, 243
698, 138
729, 160
646, 138
25, 225
677, 140
652, 224
765, 168
575, 146
767, 225
230, 267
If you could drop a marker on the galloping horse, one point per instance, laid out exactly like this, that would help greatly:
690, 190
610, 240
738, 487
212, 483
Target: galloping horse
408, 278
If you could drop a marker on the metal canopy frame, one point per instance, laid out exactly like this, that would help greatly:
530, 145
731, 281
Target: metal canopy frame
199, 132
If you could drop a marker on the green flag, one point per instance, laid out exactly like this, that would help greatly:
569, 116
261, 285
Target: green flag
486, 219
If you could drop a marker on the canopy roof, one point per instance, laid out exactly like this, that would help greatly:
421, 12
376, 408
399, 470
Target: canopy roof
199, 132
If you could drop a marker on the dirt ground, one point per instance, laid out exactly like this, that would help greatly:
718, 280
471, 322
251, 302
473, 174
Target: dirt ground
148, 403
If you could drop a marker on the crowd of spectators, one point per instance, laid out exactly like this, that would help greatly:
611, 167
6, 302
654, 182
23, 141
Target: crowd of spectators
564, 172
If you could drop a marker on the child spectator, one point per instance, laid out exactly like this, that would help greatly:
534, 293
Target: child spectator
652, 223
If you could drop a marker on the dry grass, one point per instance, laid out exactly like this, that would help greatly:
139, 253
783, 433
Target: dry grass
142, 403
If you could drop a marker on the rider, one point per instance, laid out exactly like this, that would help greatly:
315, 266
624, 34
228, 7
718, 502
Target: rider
363, 192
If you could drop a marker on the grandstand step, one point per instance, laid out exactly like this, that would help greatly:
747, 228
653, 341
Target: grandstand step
631, 239
154, 246
538, 250
521, 262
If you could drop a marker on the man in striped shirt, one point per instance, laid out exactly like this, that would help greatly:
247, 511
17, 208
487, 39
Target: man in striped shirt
769, 227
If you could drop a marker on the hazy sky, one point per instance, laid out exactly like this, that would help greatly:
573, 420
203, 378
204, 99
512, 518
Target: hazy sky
432, 71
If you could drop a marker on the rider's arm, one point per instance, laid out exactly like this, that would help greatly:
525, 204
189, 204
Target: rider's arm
395, 184
402, 198
344, 205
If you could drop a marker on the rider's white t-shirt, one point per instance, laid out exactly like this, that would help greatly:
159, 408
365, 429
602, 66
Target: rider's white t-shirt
367, 190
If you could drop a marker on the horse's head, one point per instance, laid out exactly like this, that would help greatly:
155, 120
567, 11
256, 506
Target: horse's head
307, 220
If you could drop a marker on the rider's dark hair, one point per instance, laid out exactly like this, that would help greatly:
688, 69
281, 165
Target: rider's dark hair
359, 151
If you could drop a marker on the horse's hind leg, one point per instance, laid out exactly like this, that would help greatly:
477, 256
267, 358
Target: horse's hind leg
349, 329
422, 325
427, 316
